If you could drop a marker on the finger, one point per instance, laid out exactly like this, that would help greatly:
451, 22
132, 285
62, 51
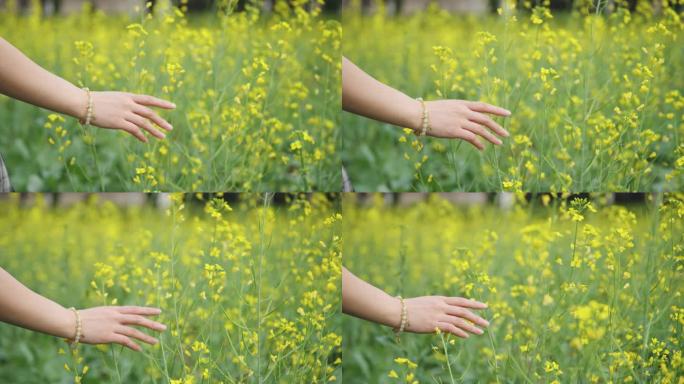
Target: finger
448, 327
479, 106
464, 325
146, 125
470, 137
136, 334
152, 101
134, 130
152, 115
135, 310
126, 342
466, 303
468, 315
487, 121
143, 322
480, 130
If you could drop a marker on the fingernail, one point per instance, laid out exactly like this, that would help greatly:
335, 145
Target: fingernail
499, 142
506, 133
479, 331
155, 341
174, 106
163, 136
163, 327
508, 113
170, 127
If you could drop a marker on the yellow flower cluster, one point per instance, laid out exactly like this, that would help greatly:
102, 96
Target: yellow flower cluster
595, 98
250, 293
257, 100
579, 290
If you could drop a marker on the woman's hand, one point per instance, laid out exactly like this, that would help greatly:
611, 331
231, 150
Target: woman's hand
129, 112
424, 314
448, 314
462, 119
103, 325
25, 80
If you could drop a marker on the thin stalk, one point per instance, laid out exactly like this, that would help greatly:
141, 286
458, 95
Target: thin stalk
446, 355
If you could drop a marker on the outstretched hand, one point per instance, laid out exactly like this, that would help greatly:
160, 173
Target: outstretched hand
104, 325
448, 314
130, 113
465, 120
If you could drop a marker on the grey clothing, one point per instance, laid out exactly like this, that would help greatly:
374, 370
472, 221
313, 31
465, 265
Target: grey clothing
5, 185
346, 183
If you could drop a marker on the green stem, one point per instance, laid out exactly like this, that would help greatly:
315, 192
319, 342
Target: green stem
446, 355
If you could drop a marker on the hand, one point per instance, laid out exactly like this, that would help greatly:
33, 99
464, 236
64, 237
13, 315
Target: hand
104, 325
448, 314
463, 120
129, 112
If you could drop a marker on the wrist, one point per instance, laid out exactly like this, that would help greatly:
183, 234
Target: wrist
77, 103
391, 312
65, 324
411, 112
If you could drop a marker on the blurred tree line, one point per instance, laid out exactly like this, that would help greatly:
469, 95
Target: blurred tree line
56, 6
557, 5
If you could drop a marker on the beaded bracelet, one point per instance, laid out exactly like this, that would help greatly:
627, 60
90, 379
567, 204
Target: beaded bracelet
425, 127
404, 318
89, 108
79, 327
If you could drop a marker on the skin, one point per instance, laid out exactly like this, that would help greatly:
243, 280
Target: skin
451, 119
22, 79
100, 325
425, 313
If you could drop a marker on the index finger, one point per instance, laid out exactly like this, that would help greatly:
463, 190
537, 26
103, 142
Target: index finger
466, 303
483, 119
143, 322
135, 310
152, 101
479, 106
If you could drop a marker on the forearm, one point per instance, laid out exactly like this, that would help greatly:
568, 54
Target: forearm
365, 301
22, 79
366, 96
22, 307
